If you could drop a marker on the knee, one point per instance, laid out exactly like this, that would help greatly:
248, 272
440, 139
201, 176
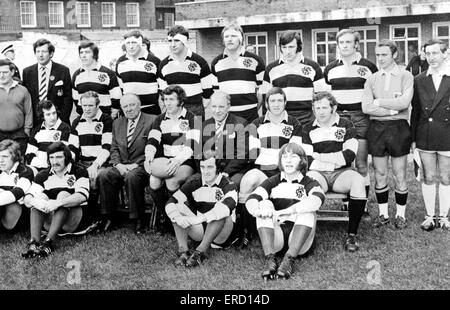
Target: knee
155, 183
362, 168
358, 187
172, 185
429, 177
62, 195
444, 179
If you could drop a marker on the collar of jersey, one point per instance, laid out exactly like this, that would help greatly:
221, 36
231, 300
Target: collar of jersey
96, 118
298, 180
285, 118
182, 114
336, 121
66, 171
188, 55
216, 181
55, 127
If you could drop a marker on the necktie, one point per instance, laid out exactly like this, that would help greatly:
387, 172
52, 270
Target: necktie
218, 127
131, 129
43, 85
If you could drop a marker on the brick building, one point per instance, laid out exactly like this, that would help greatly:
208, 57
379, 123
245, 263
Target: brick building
408, 22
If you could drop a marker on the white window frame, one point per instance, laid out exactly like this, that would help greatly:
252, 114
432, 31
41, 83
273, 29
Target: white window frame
88, 25
104, 14
127, 6
313, 42
419, 35
33, 18
365, 40
276, 48
263, 33
435, 32
166, 14
61, 14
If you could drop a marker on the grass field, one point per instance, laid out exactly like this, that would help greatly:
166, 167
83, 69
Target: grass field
407, 259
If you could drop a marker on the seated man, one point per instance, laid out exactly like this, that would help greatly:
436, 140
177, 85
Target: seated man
90, 140
170, 146
15, 180
50, 130
331, 145
267, 135
129, 137
202, 210
284, 207
56, 197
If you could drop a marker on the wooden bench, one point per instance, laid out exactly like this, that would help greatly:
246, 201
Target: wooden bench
325, 213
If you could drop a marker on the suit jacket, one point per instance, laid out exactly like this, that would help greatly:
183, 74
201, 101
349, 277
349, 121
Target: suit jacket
120, 153
430, 114
230, 144
59, 89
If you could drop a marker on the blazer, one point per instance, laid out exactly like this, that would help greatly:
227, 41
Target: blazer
230, 144
120, 153
430, 114
59, 89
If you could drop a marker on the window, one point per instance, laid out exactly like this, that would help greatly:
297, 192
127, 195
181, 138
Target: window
108, 14
441, 31
277, 46
132, 12
324, 45
407, 39
83, 12
28, 13
55, 14
169, 20
368, 41
259, 40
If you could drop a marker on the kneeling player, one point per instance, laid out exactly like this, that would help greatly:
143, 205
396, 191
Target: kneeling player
56, 197
285, 208
331, 145
201, 209
15, 180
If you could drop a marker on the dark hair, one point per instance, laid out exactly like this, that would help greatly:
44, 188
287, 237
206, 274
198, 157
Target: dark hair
133, 33
42, 42
389, 43
45, 105
207, 154
178, 29
295, 149
325, 94
273, 91
7, 62
59, 147
287, 37
90, 94
181, 94
442, 44
14, 149
91, 45
147, 43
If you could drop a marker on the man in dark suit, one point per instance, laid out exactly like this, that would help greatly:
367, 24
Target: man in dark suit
225, 134
48, 80
129, 137
430, 119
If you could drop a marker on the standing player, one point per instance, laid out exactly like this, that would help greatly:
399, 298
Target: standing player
202, 209
285, 208
347, 76
267, 135
93, 76
387, 97
429, 124
238, 73
299, 77
188, 70
137, 71
15, 180
331, 145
